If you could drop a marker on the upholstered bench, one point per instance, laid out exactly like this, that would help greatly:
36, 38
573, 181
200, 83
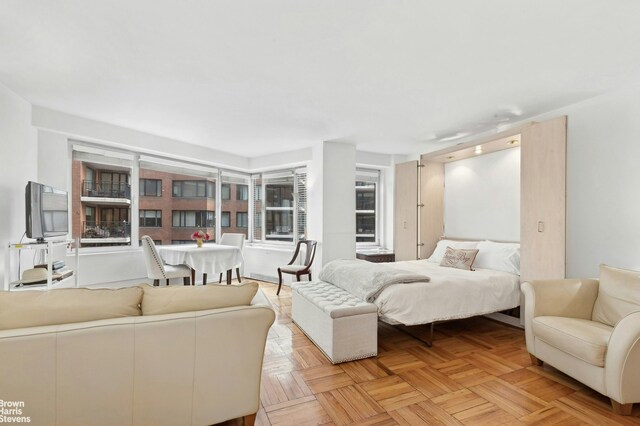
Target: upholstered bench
342, 326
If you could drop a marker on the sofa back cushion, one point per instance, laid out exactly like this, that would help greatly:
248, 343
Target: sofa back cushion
618, 295
169, 300
19, 309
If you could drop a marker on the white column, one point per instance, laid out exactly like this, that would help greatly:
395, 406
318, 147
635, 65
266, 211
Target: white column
331, 206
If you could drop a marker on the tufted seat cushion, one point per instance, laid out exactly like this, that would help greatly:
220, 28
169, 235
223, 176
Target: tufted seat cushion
333, 300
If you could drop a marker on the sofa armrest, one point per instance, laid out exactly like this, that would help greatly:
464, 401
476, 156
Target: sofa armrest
622, 361
573, 298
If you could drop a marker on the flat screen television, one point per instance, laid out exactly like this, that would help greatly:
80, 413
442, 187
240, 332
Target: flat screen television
47, 211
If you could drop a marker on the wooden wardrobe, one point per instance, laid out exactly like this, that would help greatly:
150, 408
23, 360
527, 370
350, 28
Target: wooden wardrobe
419, 197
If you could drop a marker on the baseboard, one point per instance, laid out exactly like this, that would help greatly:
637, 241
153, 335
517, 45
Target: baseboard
261, 277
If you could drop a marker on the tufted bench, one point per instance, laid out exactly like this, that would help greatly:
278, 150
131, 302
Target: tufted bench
342, 326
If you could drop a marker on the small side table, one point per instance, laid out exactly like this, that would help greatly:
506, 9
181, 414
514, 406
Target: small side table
376, 256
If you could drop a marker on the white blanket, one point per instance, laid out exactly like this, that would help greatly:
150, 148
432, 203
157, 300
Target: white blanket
450, 294
366, 280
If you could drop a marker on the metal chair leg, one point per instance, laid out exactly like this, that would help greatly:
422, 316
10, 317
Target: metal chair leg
238, 274
220, 280
279, 281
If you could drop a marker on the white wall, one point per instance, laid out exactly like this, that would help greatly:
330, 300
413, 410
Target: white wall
19, 164
482, 197
603, 180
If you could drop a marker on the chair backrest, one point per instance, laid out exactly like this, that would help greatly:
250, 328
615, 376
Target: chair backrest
155, 266
232, 239
310, 251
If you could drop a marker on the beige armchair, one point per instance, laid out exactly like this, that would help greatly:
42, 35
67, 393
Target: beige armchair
590, 330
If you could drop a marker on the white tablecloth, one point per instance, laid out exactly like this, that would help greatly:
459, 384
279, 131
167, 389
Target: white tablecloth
209, 259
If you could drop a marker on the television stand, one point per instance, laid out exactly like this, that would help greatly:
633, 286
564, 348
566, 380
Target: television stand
63, 278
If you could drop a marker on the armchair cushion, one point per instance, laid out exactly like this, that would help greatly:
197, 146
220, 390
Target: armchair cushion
583, 339
618, 295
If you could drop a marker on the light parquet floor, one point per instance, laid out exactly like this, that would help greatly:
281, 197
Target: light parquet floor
478, 372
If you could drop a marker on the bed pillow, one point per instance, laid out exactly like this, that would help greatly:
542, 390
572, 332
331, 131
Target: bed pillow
503, 257
459, 258
441, 248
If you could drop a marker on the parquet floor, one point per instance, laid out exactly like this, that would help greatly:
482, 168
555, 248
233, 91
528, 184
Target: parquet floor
478, 372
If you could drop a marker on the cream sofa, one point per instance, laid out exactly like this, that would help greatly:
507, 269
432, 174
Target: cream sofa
590, 330
197, 367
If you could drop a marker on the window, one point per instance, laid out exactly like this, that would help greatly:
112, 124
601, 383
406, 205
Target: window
194, 188
242, 192
226, 191
193, 219
150, 187
238, 184
192, 192
151, 218
101, 194
242, 219
367, 185
281, 215
226, 220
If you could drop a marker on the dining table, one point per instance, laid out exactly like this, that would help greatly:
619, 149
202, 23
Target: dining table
210, 258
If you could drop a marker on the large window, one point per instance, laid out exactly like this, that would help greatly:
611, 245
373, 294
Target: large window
101, 196
151, 218
233, 203
367, 190
194, 188
193, 219
120, 195
281, 215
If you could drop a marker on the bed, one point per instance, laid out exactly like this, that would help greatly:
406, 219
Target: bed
491, 285
450, 294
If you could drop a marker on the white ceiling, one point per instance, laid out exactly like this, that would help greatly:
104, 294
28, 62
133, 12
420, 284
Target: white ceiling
254, 77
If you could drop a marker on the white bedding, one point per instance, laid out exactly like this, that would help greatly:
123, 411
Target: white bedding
451, 294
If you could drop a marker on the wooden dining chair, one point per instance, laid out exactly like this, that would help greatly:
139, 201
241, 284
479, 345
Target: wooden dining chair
298, 270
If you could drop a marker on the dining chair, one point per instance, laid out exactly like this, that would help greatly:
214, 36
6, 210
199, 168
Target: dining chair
298, 270
234, 240
157, 269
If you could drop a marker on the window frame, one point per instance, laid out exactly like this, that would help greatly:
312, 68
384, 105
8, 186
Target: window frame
155, 218
133, 160
375, 176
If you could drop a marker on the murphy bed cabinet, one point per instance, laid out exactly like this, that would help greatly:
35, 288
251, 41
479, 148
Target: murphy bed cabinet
405, 230
542, 197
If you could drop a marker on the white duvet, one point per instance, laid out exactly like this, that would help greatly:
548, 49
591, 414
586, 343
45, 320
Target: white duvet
451, 294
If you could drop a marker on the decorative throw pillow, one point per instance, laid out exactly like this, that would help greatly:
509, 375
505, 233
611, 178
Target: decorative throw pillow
173, 299
441, 248
459, 258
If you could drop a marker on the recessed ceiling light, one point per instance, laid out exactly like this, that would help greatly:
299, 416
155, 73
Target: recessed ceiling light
478, 150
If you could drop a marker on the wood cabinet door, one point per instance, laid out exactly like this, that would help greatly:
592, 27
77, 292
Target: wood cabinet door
405, 229
432, 207
543, 200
